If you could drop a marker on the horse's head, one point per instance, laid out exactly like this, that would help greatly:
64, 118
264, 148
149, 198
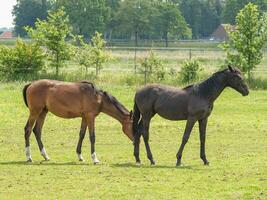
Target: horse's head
127, 126
236, 81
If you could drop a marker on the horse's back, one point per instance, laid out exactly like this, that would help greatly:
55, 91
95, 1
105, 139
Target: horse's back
169, 102
64, 99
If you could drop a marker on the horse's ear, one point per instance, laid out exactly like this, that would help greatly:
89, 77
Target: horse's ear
230, 68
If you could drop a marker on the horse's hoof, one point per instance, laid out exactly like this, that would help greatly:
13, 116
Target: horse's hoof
29, 160
81, 160
47, 159
206, 163
96, 162
138, 163
153, 163
178, 164
44, 161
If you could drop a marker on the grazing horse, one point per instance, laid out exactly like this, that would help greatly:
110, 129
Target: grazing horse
192, 103
71, 100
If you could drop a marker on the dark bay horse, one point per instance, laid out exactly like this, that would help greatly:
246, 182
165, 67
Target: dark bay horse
71, 100
193, 103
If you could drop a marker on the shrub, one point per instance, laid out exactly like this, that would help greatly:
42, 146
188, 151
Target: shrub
190, 71
94, 54
22, 61
152, 68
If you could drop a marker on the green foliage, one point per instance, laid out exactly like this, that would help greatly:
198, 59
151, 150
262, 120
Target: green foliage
134, 16
203, 17
190, 71
52, 34
246, 41
22, 61
86, 17
26, 12
94, 54
152, 68
232, 7
171, 21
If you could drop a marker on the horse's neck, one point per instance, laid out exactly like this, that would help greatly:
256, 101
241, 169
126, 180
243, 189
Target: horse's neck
114, 113
212, 87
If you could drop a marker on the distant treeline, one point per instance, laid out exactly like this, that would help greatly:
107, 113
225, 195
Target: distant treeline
136, 19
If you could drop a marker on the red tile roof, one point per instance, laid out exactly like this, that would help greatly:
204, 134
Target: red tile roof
6, 34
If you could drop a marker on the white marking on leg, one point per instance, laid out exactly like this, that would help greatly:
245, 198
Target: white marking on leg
80, 157
44, 154
28, 154
94, 158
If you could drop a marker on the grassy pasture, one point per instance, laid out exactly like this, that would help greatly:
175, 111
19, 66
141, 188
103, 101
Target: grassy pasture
236, 149
210, 60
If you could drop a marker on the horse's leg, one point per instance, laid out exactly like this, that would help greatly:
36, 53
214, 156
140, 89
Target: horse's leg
189, 125
146, 122
202, 136
37, 130
28, 130
81, 137
137, 143
91, 127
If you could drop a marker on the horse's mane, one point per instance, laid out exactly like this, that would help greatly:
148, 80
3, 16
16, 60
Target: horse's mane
204, 88
187, 87
110, 98
115, 102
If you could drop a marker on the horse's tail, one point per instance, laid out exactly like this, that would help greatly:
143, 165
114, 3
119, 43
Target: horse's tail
136, 117
24, 91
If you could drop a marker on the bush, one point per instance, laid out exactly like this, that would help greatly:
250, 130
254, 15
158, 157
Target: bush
190, 71
152, 68
94, 54
22, 61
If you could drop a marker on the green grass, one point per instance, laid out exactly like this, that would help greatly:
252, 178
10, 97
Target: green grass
236, 149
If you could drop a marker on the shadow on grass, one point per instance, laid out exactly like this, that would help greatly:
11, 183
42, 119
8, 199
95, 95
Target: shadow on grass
133, 165
40, 163
118, 165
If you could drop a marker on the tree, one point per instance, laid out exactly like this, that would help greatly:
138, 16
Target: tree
26, 12
190, 71
85, 16
191, 10
112, 22
152, 66
93, 55
134, 17
52, 34
232, 7
172, 22
203, 16
246, 41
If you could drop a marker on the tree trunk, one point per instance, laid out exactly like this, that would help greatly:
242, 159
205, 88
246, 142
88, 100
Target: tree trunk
110, 34
166, 40
136, 38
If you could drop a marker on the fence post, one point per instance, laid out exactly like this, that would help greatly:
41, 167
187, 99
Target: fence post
190, 54
135, 66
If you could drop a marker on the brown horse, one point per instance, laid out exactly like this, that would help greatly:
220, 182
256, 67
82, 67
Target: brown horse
71, 100
193, 103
